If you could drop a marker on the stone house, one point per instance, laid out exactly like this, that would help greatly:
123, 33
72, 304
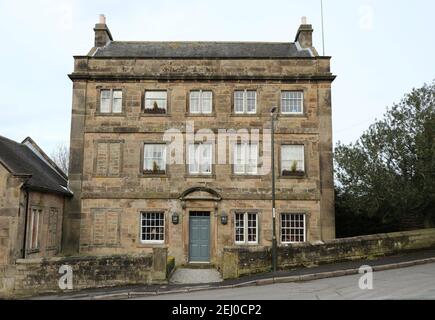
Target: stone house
32, 197
129, 197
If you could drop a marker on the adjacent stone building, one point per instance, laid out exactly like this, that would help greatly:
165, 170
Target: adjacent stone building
32, 196
129, 197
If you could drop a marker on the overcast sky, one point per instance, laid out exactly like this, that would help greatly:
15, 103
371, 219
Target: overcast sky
380, 49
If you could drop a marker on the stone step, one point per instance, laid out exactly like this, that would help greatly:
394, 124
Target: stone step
195, 276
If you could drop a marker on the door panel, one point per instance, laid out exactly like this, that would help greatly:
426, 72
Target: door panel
199, 237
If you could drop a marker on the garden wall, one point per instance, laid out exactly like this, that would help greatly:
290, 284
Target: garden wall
244, 261
36, 276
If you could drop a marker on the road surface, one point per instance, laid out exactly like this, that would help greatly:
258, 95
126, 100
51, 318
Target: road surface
408, 283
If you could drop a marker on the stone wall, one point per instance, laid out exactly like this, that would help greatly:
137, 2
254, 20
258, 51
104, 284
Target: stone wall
244, 261
10, 221
37, 276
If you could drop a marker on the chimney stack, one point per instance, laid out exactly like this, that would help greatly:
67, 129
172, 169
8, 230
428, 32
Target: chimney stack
102, 33
305, 34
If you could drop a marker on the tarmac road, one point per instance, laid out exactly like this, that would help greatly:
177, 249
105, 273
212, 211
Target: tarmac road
416, 283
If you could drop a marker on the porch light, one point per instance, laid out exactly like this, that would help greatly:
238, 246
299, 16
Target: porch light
224, 218
175, 218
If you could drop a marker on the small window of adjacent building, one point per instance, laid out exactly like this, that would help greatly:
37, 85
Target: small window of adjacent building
152, 227
111, 101
200, 159
154, 159
35, 216
52, 241
292, 102
293, 228
245, 102
292, 160
246, 228
156, 102
245, 159
201, 102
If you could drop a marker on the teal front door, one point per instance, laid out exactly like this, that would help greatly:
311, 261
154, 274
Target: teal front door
199, 237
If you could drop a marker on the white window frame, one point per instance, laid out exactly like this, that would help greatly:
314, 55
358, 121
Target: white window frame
200, 102
301, 99
298, 168
246, 153
291, 214
142, 226
35, 214
111, 100
246, 228
155, 99
198, 161
245, 102
152, 158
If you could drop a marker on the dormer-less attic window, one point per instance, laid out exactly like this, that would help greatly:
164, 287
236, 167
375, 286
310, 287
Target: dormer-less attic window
111, 101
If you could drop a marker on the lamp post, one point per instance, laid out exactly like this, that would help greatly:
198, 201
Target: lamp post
274, 242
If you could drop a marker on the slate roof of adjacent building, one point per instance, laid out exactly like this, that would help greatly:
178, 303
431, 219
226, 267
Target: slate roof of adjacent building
202, 50
21, 160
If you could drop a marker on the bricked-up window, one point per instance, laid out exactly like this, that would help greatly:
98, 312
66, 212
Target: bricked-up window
246, 228
292, 160
52, 228
200, 159
293, 228
108, 159
201, 102
152, 227
35, 217
156, 102
111, 101
245, 159
292, 102
245, 102
154, 158
106, 227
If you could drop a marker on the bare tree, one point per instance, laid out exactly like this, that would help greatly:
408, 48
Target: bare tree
60, 156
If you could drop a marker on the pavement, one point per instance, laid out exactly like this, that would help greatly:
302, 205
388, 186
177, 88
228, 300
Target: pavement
343, 269
195, 276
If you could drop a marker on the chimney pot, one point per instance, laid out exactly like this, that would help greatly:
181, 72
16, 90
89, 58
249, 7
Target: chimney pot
304, 20
102, 19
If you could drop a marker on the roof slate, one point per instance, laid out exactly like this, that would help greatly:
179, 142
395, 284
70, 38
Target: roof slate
202, 50
21, 160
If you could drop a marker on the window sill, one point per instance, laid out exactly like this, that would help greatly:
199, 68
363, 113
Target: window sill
106, 177
32, 251
200, 176
151, 245
200, 115
245, 115
293, 115
293, 177
110, 114
151, 175
154, 115
246, 176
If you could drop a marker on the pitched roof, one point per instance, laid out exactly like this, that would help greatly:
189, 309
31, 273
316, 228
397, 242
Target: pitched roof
22, 161
203, 50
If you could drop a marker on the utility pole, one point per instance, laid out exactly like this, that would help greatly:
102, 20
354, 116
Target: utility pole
274, 242
323, 28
